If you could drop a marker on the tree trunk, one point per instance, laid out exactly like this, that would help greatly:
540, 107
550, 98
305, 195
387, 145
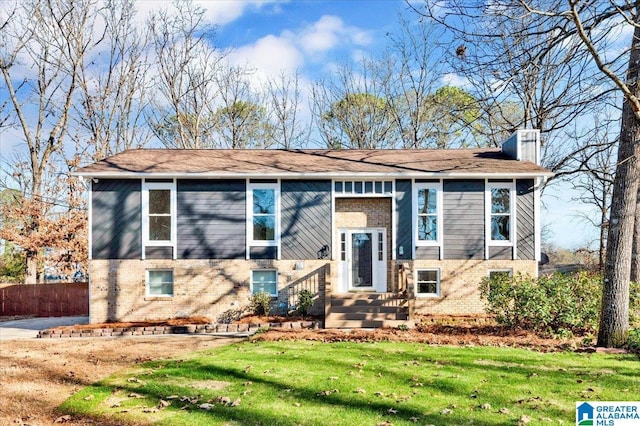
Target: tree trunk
31, 276
635, 256
614, 315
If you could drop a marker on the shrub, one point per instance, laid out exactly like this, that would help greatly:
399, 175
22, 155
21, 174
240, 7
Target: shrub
634, 339
557, 304
260, 303
305, 302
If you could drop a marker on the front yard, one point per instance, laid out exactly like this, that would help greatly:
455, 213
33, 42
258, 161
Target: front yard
375, 383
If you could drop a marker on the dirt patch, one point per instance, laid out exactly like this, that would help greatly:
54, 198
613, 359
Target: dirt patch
271, 319
36, 376
463, 333
148, 323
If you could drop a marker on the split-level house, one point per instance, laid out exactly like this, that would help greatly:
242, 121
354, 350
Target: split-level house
375, 235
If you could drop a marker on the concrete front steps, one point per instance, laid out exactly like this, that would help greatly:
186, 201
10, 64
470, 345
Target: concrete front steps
368, 310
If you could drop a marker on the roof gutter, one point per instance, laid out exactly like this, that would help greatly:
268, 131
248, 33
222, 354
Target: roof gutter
316, 175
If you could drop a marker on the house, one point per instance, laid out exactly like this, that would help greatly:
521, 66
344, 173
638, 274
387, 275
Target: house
376, 235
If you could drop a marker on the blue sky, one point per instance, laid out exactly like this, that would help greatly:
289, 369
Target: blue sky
312, 37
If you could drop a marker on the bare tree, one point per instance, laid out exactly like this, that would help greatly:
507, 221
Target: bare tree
595, 183
351, 110
113, 87
584, 36
44, 44
510, 57
182, 115
241, 121
285, 100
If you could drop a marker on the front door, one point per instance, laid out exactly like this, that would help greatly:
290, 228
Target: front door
363, 254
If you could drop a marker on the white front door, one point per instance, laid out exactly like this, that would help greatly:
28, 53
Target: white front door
363, 260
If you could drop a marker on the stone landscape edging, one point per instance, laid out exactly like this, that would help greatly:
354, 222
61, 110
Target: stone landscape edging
175, 329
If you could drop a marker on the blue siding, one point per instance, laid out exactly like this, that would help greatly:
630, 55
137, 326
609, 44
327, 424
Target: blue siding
463, 210
116, 219
305, 219
526, 219
270, 252
404, 212
211, 219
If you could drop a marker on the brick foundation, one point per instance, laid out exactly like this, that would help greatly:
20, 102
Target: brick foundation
117, 288
459, 281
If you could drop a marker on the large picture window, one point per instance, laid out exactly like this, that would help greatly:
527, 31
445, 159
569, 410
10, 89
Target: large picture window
159, 213
428, 213
263, 212
500, 209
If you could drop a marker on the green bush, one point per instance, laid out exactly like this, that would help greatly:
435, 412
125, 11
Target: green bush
634, 339
305, 302
260, 303
557, 304
634, 305
13, 265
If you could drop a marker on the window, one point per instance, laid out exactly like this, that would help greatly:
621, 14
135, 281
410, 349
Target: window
159, 213
428, 202
362, 188
427, 282
160, 282
264, 281
263, 206
500, 273
500, 207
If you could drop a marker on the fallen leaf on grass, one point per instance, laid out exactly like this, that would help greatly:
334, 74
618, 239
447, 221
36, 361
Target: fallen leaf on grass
206, 406
172, 397
249, 383
524, 420
334, 378
392, 411
360, 391
504, 411
296, 404
446, 411
379, 394
89, 397
414, 419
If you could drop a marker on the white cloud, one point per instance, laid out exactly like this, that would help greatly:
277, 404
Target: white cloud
269, 55
216, 12
329, 32
452, 79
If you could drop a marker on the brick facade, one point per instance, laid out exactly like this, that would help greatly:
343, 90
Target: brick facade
459, 280
367, 213
201, 287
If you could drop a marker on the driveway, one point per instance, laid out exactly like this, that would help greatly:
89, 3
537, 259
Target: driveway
29, 328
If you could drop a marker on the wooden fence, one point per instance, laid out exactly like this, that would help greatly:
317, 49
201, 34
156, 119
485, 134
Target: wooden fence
45, 300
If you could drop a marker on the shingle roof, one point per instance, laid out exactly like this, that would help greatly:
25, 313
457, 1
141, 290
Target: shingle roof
271, 162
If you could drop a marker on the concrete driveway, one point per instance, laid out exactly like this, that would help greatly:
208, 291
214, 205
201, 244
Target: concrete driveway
29, 328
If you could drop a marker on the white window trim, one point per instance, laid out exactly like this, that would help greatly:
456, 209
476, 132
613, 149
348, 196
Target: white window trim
264, 270
146, 187
261, 243
417, 186
173, 282
512, 213
438, 289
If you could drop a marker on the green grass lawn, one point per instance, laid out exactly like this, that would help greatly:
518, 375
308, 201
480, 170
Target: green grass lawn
313, 383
